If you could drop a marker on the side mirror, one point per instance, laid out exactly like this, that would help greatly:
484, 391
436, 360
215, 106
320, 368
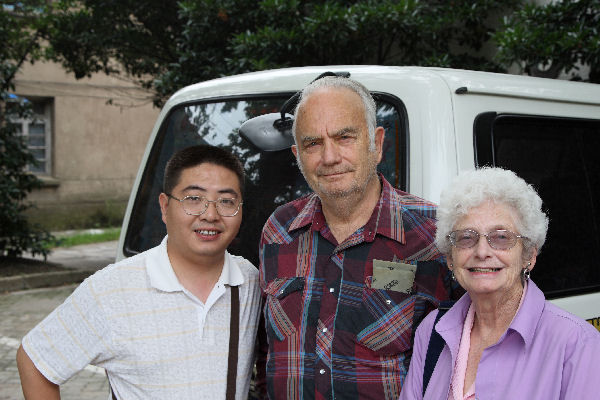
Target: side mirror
273, 132
269, 132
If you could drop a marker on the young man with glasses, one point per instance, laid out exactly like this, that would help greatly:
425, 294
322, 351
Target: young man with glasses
160, 322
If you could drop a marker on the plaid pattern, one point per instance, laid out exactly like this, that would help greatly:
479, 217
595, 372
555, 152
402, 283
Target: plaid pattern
330, 334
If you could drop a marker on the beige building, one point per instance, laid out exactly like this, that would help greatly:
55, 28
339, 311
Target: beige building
89, 136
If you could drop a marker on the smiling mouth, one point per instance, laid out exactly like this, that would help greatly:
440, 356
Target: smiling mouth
484, 269
206, 232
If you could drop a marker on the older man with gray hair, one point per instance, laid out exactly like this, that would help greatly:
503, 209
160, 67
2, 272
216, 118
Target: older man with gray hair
349, 270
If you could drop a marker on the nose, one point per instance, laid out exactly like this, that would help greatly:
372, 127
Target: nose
482, 248
331, 153
211, 213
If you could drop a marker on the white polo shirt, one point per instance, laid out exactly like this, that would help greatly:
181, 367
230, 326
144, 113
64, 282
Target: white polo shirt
154, 338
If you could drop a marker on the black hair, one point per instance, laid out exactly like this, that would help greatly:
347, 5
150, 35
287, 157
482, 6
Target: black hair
195, 155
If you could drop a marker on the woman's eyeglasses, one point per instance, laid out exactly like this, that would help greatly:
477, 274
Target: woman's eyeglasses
500, 239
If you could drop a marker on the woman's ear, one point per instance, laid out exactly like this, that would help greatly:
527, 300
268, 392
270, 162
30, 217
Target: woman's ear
449, 262
531, 259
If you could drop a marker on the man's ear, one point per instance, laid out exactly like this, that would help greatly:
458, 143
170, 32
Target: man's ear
295, 150
163, 201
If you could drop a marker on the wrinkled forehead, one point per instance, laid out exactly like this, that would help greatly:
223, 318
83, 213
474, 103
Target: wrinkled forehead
330, 106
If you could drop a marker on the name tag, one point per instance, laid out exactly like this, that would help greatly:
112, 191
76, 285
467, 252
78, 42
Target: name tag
396, 276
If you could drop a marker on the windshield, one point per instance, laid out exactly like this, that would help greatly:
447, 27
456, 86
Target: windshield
272, 178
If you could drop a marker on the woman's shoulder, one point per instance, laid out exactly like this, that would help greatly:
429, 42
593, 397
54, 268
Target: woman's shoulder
571, 326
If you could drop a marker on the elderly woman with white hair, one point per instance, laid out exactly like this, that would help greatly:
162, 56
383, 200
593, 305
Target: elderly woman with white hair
502, 339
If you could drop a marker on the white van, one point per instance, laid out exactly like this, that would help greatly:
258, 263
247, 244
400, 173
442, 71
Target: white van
438, 122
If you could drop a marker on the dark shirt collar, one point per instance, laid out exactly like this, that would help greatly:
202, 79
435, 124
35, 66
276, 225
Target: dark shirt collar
386, 218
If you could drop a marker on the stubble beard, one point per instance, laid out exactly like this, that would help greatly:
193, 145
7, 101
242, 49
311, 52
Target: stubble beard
356, 187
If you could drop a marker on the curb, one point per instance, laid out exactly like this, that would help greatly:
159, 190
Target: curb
42, 279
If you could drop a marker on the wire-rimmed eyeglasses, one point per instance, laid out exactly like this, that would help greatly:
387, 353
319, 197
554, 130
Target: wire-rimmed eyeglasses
499, 239
197, 205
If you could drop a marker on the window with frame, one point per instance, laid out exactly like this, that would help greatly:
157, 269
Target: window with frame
37, 132
558, 157
272, 178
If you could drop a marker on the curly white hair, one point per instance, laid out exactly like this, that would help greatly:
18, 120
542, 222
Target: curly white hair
472, 188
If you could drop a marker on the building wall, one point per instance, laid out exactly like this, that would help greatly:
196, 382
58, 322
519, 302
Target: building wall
96, 147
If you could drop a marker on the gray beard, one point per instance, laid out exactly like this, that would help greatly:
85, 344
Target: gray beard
356, 187
338, 194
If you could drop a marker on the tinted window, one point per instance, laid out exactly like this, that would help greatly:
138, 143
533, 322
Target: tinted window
559, 157
272, 177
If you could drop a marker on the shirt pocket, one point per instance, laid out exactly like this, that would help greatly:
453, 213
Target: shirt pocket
283, 306
387, 320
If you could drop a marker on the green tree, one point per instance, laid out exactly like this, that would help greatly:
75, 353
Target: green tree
166, 45
20, 43
557, 37
141, 39
400, 32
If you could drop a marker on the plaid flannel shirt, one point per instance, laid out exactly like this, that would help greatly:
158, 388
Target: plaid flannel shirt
330, 334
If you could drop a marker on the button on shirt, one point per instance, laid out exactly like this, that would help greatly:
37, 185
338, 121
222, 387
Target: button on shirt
330, 333
546, 353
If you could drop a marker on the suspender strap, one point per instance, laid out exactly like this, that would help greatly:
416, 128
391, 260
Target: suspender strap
234, 332
435, 346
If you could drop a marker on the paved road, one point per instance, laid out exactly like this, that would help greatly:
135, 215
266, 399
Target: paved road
21, 311
86, 256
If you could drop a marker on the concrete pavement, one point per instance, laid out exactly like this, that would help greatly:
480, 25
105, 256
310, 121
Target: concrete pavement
21, 310
89, 257
80, 261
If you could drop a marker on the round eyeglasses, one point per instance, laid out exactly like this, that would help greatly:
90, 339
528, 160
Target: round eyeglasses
197, 205
500, 239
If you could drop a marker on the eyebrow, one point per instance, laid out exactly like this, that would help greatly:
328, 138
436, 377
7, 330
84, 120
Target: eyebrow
492, 229
231, 191
307, 139
343, 131
338, 133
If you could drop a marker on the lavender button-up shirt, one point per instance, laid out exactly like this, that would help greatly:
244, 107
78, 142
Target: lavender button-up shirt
546, 353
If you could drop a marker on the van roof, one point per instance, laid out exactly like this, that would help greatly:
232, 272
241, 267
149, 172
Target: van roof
457, 81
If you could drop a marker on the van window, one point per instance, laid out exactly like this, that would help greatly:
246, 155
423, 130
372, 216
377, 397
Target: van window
272, 178
559, 157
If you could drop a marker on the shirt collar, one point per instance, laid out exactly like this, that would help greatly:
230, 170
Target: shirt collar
524, 323
231, 274
529, 314
386, 218
307, 213
162, 277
